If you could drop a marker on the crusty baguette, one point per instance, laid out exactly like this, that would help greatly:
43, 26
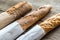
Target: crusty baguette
14, 12
51, 23
34, 16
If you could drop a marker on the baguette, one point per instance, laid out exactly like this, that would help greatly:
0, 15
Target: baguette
51, 23
34, 16
14, 13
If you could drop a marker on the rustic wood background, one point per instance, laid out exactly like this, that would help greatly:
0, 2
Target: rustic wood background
54, 34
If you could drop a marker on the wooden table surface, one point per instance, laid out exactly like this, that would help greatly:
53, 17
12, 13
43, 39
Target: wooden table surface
54, 34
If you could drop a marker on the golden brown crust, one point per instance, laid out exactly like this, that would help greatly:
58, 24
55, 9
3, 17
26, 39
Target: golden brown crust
33, 17
51, 23
20, 9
